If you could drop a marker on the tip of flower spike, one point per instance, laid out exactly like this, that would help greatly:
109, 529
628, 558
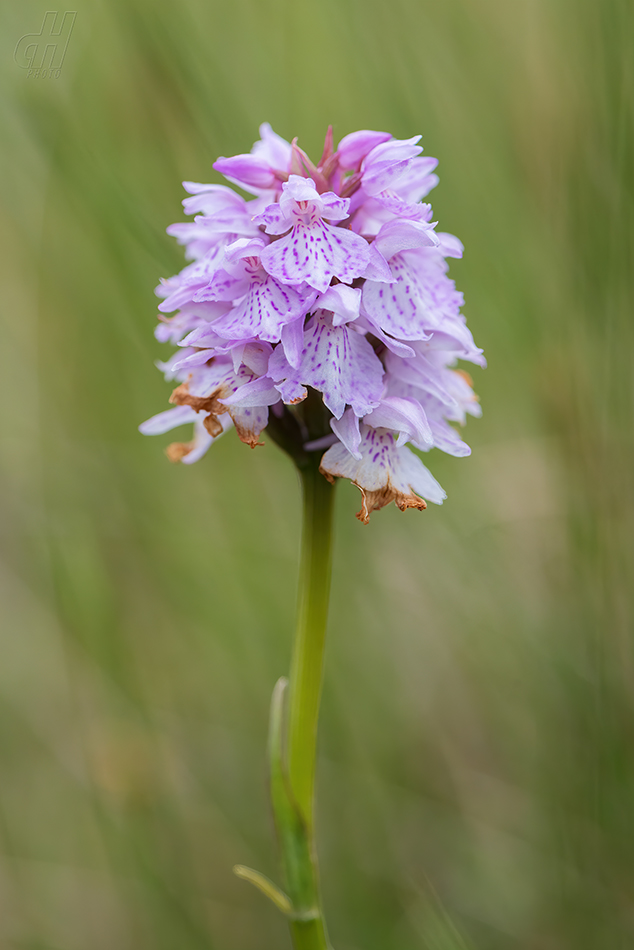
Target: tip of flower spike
328, 148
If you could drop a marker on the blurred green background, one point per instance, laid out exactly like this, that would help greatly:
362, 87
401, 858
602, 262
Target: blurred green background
476, 775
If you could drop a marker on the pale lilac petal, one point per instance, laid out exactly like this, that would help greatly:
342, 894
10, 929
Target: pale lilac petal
273, 149
201, 443
341, 364
205, 337
397, 236
450, 245
354, 147
256, 356
383, 176
180, 289
222, 286
227, 225
263, 312
396, 346
402, 208
384, 473
405, 416
293, 341
173, 329
418, 300
446, 439
297, 189
372, 467
291, 391
189, 361
387, 163
248, 171
421, 373
418, 179
347, 431
393, 150
209, 199
458, 385
454, 336
368, 215
258, 392
334, 208
273, 219
378, 268
170, 419
413, 474
343, 302
170, 368
236, 353
243, 249
198, 239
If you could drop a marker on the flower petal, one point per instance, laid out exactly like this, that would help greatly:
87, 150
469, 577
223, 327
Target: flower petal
384, 473
165, 421
405, 416
347, 431
420, 298
263, 311
354, 147
339, 363
315, 254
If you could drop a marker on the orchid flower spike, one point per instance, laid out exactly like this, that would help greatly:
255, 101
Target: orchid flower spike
321, 310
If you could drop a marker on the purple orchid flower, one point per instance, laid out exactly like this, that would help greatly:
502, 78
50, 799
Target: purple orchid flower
313, 250
330, 284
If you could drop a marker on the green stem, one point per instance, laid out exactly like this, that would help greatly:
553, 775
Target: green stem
293, 736
308, 650
293, 724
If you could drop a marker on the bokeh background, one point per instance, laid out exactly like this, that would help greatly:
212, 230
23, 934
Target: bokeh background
476, 774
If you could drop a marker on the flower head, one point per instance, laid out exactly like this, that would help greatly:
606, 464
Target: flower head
321, 306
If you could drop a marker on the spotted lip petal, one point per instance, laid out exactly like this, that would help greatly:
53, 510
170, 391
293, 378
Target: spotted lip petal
336, 361
263, 312
316, 253
261, 306
313, 251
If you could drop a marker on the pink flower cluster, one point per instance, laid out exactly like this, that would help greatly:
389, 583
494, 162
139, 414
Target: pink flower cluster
331, 280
